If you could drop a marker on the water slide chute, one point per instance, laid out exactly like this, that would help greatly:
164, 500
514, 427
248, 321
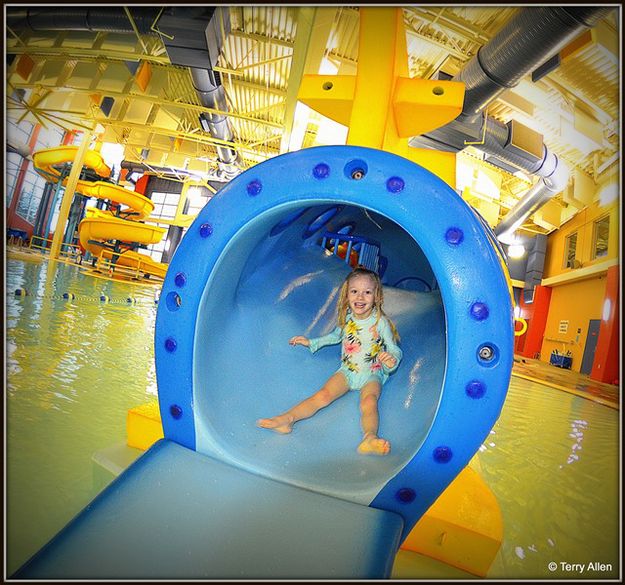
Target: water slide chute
248, 275
99, 226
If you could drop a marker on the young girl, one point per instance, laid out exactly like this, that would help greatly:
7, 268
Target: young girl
369, 354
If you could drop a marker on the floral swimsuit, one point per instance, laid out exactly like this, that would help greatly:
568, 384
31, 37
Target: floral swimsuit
362, 341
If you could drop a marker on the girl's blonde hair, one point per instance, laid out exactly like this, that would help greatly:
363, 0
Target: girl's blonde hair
378, 298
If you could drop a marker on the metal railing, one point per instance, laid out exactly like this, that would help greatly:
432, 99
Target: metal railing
355, 250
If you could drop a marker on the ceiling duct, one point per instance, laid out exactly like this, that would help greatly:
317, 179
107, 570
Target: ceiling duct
192, 37
529, 39
138, 167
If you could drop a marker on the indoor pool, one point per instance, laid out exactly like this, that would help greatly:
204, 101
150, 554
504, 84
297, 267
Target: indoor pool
75, 367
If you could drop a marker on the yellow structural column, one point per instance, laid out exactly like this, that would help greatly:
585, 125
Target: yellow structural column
68, 197
381, 105
375, 77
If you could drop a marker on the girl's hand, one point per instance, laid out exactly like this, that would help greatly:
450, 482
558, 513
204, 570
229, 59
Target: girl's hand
299, 340
387, 359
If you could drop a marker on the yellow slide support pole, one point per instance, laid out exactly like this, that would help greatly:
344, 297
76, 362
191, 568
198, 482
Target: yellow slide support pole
68, 197
375, 77
381, 105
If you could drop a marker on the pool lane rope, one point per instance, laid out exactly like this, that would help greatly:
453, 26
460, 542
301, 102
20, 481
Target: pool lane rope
70, 296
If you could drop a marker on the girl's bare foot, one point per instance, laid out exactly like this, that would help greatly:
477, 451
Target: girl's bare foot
373, 445
282, 423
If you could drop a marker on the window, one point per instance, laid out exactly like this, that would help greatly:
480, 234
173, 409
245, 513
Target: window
32, 191
570, 245
13, 164
155, 251
16, 134
601, 232
165, 204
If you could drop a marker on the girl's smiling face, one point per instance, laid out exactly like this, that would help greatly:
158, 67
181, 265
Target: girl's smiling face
361, 296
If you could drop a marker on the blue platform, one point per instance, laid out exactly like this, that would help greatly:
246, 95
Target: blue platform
177, 514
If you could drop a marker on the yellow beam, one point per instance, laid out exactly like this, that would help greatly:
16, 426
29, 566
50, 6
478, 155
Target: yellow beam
68, 196
330, 95
381, 105
156, 101
305, 18
93, 55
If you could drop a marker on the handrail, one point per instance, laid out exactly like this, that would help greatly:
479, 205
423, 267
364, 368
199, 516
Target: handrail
368, 250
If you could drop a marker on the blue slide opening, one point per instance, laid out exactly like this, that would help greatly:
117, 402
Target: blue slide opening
267, 289
250, 273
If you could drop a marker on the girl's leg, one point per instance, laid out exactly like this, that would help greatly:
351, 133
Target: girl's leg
334, 388
369, 420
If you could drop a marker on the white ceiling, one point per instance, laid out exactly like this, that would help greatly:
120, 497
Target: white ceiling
61, 78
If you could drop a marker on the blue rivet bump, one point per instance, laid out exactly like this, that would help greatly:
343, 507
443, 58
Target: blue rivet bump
479, 311
454, 236
475, 389
180, 279
321, 171
442, 454
206, 229
170, 344
254, 188
406, 495
395, 184
175, 411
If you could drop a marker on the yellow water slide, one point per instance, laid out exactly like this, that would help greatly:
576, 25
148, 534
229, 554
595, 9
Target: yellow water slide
100, 227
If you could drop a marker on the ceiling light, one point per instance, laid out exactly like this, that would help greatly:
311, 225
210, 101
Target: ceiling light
516, 251
608, 194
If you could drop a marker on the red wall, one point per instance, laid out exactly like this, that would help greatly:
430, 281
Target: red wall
605, 366
536, 315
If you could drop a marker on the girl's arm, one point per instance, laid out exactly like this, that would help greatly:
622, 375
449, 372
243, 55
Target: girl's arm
391, 347
331, 338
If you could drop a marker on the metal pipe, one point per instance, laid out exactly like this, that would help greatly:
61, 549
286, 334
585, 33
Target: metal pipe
524, 43
207, 82
81, 19
212, 95
546, 188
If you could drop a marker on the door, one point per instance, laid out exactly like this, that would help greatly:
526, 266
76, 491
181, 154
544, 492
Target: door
591, 346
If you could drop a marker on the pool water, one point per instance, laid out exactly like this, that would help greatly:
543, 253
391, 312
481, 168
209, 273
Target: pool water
552, 461
75, 367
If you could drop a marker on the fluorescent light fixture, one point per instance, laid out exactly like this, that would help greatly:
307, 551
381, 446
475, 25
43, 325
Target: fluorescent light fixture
608, 194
